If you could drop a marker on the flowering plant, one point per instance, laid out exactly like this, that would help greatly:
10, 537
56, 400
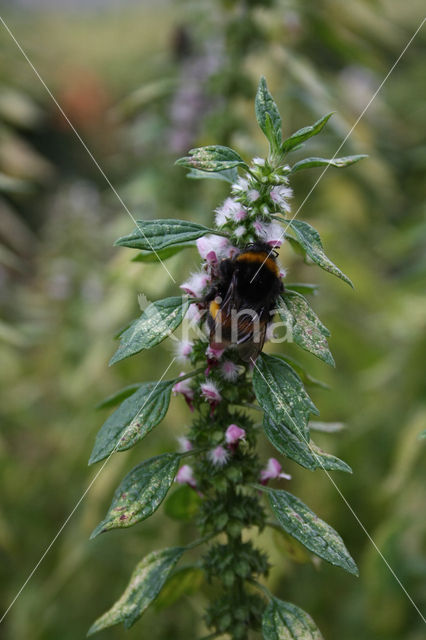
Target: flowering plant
222, 479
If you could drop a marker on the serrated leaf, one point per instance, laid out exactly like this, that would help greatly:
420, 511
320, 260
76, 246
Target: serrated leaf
305, 453
308, 163
156, 323
133, 419
155, 235
141, 492
228, 175
281, 394
182, 504
214, 158
327, 427
115, 398
308, 332
302, 287
285, 621
327, 461
161, 254
145, 584
268, 116
304, 134
288, 444
183, 582
309, 239
315, 534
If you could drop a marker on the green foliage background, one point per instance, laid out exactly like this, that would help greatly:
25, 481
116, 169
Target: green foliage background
65, 291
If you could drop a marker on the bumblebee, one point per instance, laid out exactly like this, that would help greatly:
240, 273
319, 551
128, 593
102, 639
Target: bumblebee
241, 301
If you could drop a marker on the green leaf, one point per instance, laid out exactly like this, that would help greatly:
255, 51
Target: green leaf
305, 453
288, 444
133, 419
161, 254
308, 163
183, 582
156, 323
145, 584
212, 158
268, 116
310, 240
285, 621
327, 427
304, 134
228, 175
115, 398
315, 534
308, 332
182, 504
303, 288
327, 461
141, 492
154, 235
281, 394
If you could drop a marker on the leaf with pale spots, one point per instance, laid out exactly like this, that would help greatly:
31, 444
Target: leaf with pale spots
309, 163
308, 332
281, 394
156, 235
315, 534
305, 453
133, 419
300, 136
267, 116
214, 158
141, 492
305, 377
309, 240
145, 584
284, 621
327, 461
156, 323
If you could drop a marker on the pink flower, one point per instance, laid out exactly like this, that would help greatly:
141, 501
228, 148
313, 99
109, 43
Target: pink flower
185, 475
213, 248
253, 195
185, 444
183, 350
214, 352
193, 314
196, 284
240, 231
184, 387
280, 194
234, 434
229, 370
270, 232
218, 456
272, 471
240, 185
210, 392
230, 210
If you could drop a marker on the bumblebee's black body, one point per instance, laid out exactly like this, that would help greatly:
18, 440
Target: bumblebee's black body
241, 301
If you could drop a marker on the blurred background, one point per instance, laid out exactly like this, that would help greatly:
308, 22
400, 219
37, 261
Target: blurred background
142, 82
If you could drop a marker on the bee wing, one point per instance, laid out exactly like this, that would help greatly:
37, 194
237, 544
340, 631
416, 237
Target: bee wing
250, 350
